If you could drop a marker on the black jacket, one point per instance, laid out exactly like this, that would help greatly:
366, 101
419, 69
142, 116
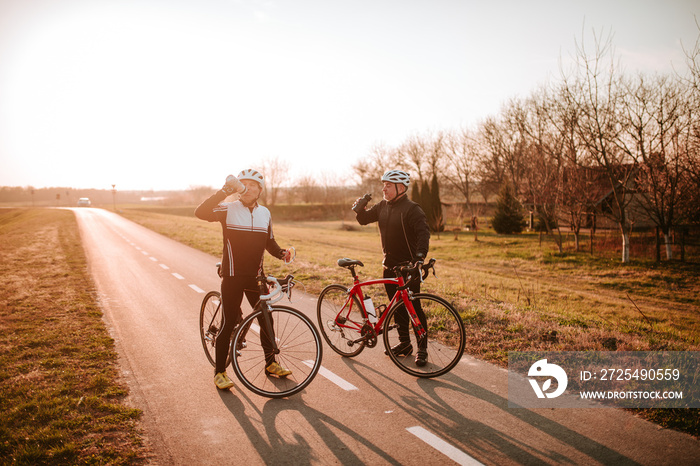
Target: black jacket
403, 228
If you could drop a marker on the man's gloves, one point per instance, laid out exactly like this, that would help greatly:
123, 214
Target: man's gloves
233, 185
361, 203
420, 259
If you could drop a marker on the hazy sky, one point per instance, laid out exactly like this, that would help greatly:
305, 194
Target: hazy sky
168, 94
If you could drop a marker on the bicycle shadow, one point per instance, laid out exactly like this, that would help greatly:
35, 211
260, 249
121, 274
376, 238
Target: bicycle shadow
431, 410
276, 449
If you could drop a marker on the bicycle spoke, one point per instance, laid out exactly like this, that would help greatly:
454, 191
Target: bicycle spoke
297, 341
210, 323
340, 320
445, 336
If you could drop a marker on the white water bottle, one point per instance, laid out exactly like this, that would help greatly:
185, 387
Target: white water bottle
371, 313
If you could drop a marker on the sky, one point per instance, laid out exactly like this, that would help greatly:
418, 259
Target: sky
174, 94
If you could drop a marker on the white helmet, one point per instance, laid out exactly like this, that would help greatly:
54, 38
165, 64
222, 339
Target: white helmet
250, 174
397, 176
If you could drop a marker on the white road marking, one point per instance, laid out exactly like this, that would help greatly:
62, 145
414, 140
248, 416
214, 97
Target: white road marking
144, 253
196, 288
178, 276
456, 455
339, 381
164, 267
153, 259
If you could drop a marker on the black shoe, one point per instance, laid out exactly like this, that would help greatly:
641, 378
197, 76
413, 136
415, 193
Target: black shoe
404, 348
421, 358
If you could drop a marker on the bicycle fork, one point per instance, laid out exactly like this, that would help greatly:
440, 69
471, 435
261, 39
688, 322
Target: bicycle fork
421, 332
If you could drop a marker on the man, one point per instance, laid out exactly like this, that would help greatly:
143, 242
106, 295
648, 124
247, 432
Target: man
247, 232
405, 236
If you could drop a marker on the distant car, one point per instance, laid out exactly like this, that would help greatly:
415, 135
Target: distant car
84, 202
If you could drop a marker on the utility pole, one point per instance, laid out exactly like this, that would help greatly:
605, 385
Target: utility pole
114, 197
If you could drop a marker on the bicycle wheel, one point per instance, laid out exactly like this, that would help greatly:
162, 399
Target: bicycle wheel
300, 350
211, 316
445, 340
340, 320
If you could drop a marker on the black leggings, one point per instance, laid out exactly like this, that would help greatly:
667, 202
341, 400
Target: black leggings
232, 290
402, 318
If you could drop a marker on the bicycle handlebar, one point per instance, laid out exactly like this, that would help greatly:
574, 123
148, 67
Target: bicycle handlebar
410, 272
279, 287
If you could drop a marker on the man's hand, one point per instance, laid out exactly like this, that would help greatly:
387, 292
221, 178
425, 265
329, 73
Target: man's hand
361, 203
289, 255
233, 185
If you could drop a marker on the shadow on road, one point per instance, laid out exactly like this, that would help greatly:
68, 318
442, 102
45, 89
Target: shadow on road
275, 449
432, 411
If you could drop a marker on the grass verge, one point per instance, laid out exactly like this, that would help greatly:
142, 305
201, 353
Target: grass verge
61, 398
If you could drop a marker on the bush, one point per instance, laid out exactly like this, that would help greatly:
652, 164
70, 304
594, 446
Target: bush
508, 217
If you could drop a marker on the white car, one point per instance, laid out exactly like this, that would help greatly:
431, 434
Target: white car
84, 202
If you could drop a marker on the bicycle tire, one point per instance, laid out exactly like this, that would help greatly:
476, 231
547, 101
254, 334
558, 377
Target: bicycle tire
300, 350
343, 338
446, 337
211, 318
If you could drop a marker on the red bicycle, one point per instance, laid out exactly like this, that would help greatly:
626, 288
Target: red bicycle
349, 322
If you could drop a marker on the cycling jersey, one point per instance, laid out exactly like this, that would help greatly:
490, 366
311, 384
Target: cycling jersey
403, 228
247, 234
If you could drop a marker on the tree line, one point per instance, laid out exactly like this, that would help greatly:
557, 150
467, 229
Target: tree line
596, 141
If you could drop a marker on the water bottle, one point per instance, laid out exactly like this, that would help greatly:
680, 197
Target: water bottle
371, 313
362, 203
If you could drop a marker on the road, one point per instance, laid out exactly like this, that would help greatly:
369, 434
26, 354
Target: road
357, 411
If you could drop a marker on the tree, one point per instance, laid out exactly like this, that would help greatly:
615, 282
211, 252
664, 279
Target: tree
657, 137
426, 202
437, 222
596, 94
508, 216
415, 193
276, 173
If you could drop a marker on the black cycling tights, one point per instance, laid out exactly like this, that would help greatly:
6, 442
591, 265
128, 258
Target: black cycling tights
232, 290
402, 318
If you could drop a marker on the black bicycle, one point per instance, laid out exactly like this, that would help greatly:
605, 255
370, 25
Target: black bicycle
270, 330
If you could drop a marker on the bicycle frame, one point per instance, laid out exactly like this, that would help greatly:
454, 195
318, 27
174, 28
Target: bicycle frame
402, 295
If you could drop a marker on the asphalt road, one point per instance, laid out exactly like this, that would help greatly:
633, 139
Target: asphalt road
357, 411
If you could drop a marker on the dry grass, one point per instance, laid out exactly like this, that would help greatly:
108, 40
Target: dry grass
61, 400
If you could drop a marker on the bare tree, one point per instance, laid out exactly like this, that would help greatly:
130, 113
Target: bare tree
412, 154
276, 172
370, 169
596, 93
542, 161
307, 188
656, 136
691, 162
462, 151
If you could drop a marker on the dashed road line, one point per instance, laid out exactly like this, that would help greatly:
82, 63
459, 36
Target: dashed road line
455, 454
178, 276
196, 288
339, 381
164, 267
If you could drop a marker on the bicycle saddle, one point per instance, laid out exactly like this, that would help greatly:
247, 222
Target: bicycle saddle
345, 262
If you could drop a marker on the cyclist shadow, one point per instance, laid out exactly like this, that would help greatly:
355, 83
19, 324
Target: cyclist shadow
276, 449
432, 410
